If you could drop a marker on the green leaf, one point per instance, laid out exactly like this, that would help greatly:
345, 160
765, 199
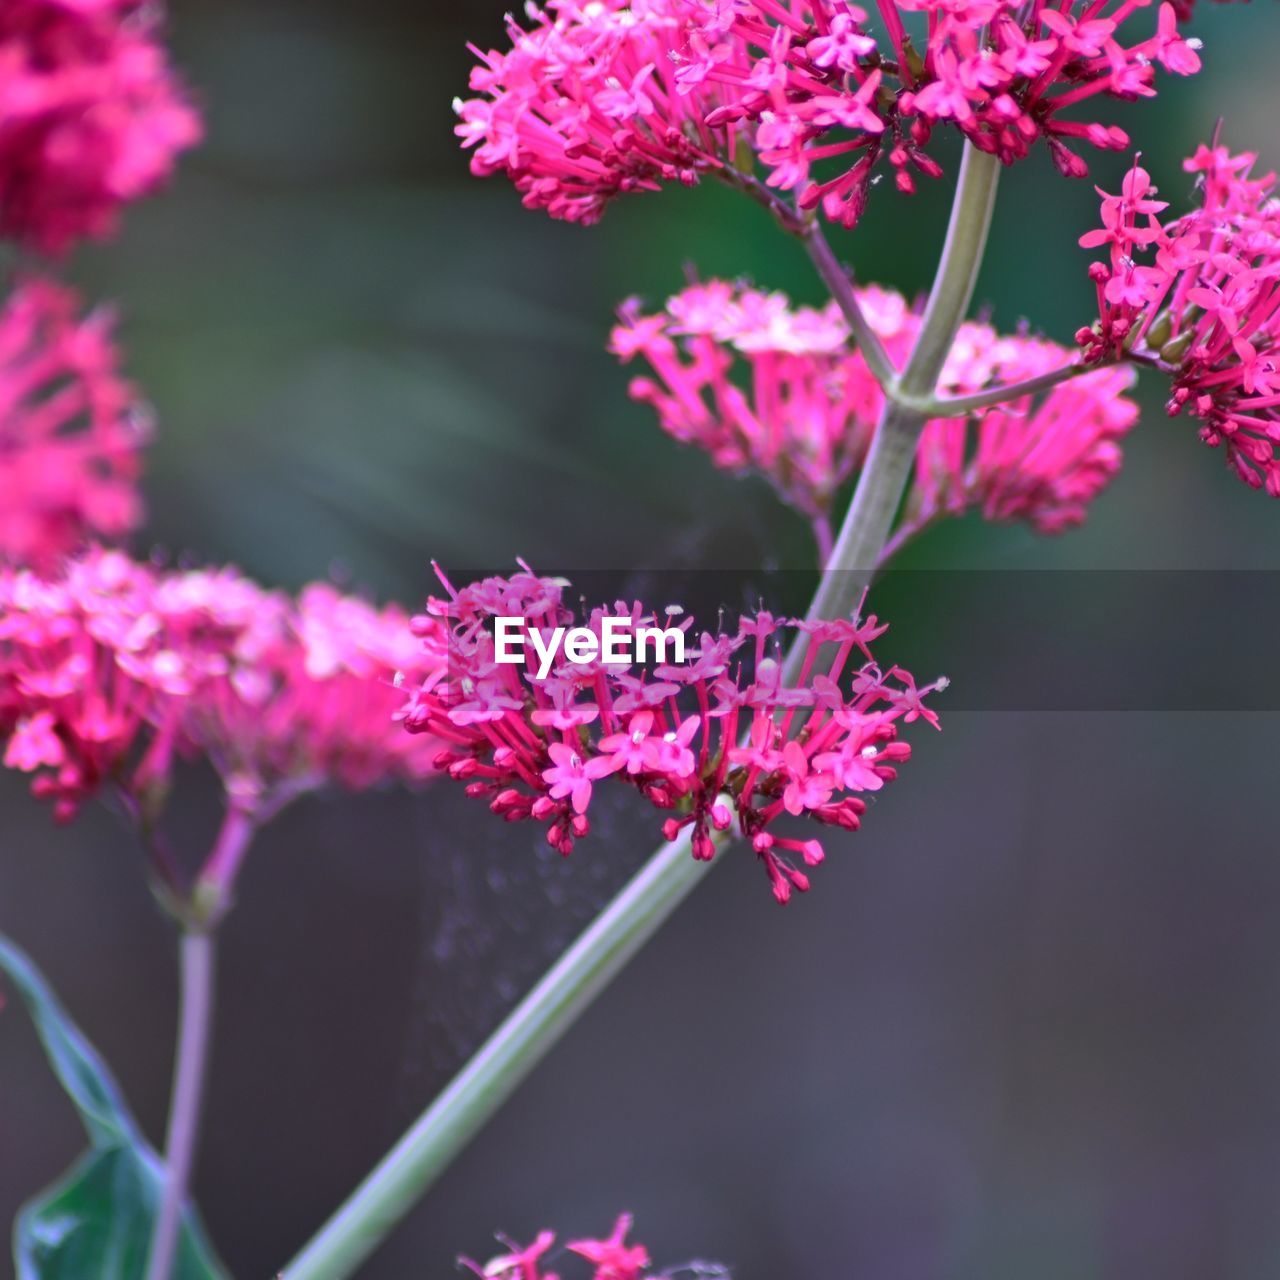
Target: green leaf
97, 1222
97, 1219
74, 1060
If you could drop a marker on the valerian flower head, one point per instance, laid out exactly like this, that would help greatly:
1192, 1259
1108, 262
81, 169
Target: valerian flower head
606, 97
765, 387
91, 117
112, 670
1197, 296
827, 93
714, 742
593, 100
71, 429
611, 1258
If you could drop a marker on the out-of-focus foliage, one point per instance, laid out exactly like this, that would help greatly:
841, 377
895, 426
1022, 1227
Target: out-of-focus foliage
97, 1219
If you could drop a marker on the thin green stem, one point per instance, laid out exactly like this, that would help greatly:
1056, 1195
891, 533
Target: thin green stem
840, 283
958, 406
194, 1025
958, 268
542, 1017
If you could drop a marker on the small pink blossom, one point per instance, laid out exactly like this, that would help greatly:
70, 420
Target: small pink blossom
613, 1258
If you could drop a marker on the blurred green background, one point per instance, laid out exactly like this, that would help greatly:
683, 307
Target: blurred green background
1026, 1024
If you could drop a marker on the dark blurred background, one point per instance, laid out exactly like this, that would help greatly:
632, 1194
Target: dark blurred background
1028, 1022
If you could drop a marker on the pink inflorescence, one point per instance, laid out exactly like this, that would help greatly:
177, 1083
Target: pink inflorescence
91, 116
71, 429
715, 741
588, 103
763, 386
602, 97
1000, 71
611, 1258
113, 669
1198, 297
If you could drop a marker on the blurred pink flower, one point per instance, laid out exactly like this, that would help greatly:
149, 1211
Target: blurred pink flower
765, 387
91, 116
111, 669
71, 429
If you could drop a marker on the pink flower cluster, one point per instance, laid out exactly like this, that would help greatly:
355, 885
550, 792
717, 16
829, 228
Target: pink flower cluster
71, 429
587, 105
1000, 71
763, 386
607, 96
91, 116
713, 741
113, 669
610, 1259
1198, 297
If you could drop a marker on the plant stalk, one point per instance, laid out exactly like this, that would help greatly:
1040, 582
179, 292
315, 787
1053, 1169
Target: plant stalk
194, 1025
359, 1225
198, 919
840, 285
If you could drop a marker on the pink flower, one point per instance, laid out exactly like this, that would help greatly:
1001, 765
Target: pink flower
572, 776
111, 668
1198, 297
1001, 74
91, 117
34, 744
681, 747
521, 1263
613, 1258
806, 788
71, 430
760, 386
598, 99
633, 749
610, 1258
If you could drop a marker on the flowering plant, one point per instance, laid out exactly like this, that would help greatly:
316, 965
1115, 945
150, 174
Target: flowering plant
874, 416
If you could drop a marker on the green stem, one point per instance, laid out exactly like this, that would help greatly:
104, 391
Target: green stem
542, 1017
840, 284
1002, 393
884, 477
958, 269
